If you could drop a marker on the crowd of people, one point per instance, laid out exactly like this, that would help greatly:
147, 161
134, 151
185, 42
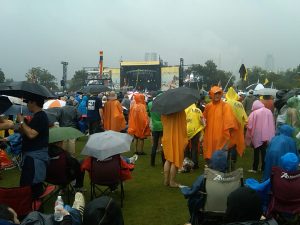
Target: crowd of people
226, 122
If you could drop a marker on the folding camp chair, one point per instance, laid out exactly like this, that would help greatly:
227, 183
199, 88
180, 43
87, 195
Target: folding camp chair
285, 196
106, 173
20, 199
217, 187
57, 174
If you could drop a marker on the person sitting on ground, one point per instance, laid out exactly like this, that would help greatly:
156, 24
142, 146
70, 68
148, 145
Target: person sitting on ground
71, 215
73, 170
103, 211
218, 162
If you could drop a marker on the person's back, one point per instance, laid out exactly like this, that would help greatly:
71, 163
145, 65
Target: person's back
69, 116
279, 146
261, 125
126, 102
248, 102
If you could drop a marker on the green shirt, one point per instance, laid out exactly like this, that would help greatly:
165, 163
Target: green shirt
155, 118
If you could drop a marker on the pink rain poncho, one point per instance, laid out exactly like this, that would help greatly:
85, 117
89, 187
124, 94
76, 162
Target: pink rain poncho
261, 126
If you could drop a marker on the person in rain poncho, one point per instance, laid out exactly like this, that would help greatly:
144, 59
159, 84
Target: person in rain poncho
279, 146
220, 123
195, 129
288, 162
138, 124
241, 117
174, 141
293, 115
196, 198
113, 117
260, 131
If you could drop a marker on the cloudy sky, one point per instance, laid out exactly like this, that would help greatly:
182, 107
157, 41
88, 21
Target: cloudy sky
45, 32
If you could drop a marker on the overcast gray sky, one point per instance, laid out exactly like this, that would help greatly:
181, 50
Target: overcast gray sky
45, 32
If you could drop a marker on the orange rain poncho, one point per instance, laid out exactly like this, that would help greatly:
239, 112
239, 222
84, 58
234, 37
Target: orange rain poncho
113, 117
174, 138
138, 124
219, 121
241, 116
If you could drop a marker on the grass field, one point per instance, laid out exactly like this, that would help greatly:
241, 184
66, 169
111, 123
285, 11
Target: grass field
147, 201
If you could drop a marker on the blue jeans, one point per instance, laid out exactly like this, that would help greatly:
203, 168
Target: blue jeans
75, 215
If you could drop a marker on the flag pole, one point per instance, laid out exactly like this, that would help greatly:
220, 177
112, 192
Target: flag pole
228, 82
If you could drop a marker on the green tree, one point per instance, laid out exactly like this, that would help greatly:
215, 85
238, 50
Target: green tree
210, 75
78, 80
43, 77
2, 76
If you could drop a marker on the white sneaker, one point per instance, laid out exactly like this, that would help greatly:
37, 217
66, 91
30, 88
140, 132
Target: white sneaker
79, 202
133, 159
252, 171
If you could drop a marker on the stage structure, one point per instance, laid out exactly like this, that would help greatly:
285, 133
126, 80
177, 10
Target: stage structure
141, 75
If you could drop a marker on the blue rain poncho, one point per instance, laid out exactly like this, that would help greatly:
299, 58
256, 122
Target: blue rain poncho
281, 144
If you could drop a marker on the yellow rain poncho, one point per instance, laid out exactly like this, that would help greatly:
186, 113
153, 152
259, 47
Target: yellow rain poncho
241, 117
194, 121
174, 138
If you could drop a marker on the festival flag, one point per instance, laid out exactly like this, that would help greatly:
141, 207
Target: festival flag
266, 81
243, 72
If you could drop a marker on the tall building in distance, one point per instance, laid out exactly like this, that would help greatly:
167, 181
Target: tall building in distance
269, 63
151, 56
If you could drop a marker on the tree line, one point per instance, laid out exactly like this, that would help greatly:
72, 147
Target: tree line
207, 75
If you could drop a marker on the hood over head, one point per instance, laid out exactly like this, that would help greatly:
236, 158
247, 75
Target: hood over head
257, 105
286, 130
289, 162
139, 98
218, 161
232, 95
214, 90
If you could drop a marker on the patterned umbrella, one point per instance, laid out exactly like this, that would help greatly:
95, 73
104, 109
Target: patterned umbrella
54, 103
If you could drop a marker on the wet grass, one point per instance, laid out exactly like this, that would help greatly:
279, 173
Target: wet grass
147, 201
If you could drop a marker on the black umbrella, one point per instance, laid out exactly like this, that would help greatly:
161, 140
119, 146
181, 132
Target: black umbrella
95, 89
53, 114
16, 109
5, 103
26, 90
175, 100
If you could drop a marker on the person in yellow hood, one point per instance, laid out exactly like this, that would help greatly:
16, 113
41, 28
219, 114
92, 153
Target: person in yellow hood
113, 117
195, 129
138, 124
220, 123
241, 117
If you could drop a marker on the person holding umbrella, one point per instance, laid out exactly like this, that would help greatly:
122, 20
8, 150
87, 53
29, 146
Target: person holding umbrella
220, 124
34, 146
171, 105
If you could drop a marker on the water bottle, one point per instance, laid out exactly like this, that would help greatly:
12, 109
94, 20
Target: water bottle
59, 204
